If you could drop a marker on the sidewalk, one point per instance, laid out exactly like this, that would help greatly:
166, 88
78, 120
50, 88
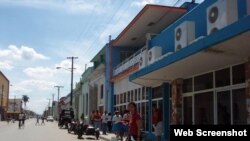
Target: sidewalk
107, 137
3, 123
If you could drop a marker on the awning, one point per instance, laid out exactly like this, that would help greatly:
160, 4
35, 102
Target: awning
228, 46
151, 19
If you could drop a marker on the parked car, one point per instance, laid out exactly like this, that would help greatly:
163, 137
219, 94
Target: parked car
50, 118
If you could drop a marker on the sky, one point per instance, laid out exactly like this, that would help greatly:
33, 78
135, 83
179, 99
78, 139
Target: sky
36, 36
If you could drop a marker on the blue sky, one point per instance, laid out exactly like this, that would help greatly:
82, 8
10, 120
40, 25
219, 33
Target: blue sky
37, 35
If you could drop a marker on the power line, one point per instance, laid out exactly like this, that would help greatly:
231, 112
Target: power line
108, 22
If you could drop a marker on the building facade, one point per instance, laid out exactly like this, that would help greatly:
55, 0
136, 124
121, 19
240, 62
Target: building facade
4, 95
203, 68
14, 108
191, 61
97, 97
84, 99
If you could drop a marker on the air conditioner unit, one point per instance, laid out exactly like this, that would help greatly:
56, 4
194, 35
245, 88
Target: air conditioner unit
220, 14
184, 34
143, 59
153, 54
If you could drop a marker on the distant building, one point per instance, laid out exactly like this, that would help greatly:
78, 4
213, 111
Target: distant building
4, 95
14, 108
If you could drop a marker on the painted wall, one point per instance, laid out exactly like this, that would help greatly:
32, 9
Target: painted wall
124, 85
166, 38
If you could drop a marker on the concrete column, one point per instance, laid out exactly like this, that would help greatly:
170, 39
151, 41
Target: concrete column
247, 73
149, 93
176, 115
166, 111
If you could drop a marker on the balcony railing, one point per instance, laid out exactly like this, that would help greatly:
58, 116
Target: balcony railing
129, 62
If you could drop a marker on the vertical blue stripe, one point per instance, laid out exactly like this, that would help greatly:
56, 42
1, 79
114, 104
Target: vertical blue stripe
149, 92
166, 110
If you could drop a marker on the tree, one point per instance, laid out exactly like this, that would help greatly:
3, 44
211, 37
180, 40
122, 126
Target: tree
25, 99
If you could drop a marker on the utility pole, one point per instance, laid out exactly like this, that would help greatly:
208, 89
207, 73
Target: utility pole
14, 103
52, 107
72, 73
58, 92
49, 107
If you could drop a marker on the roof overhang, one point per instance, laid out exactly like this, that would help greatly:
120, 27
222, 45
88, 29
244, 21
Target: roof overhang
151, 19
226, 47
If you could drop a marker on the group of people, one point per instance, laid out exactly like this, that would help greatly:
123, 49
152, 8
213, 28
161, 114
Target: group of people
129, 124
37, 120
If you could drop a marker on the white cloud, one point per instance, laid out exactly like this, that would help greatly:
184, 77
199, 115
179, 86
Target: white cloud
22, 53
7, 65
141, 3
34, 84
40, 72
66, 64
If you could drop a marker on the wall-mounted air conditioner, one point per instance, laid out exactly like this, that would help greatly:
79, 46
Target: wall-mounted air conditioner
153, 54
184, 34
220, 14
143, 59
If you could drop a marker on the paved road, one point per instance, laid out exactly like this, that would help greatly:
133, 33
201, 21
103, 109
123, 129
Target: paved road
49, 132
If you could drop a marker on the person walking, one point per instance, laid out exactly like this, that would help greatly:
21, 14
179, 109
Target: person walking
43, 123
37, 120
20, 117
135, 123
97, 120
157, 122
104, 122
116, 128
23, 120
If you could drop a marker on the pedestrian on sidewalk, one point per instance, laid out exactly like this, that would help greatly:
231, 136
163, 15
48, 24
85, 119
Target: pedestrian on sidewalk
157, 122
97, 120
116, 128
109, 122
37, 120
20, 117
104, 122
135, 123
23, 120
43, 123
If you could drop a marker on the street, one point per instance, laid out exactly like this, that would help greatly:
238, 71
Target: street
48, 132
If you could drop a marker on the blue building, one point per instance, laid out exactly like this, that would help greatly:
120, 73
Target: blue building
193, 62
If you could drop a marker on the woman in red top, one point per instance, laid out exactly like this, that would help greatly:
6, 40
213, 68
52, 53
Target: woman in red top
135, 123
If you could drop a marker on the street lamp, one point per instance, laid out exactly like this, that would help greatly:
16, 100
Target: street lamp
72, 72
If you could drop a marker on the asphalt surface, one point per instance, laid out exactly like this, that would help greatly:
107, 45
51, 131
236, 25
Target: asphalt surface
31, 132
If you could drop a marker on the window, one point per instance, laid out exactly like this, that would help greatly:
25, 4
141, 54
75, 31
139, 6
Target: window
143, 93
187, 85
117, 99
239, 74
187, 110
139, 94
204, 111
132, 95
125, 97
87, 103
239, 106
102, 90
125, 54
121, 98
223, 107
222, 77
128, 97
136, 95
203, 82
157, 92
